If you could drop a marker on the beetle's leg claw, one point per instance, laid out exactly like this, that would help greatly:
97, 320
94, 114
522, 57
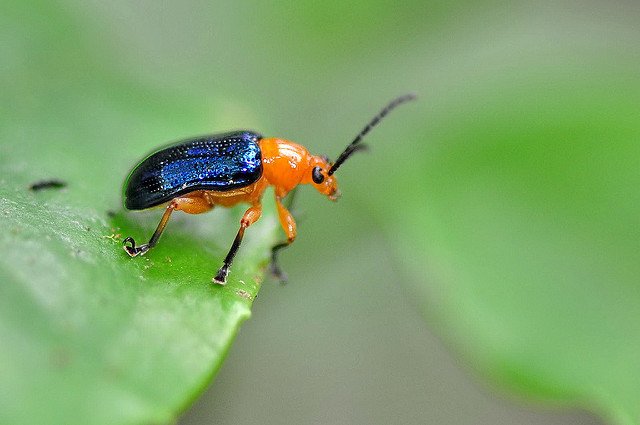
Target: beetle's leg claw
129, 249
221, 277
132, 249
277, 272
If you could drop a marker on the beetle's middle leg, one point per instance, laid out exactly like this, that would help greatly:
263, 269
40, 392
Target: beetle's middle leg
250, 216
188, 204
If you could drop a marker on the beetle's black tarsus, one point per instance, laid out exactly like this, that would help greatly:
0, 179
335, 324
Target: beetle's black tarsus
274, 267
129, 244
221, 277
134, 250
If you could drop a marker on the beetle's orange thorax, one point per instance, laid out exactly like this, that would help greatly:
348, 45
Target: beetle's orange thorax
285, 164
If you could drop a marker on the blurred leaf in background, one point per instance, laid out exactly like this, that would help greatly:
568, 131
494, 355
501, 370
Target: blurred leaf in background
504, 205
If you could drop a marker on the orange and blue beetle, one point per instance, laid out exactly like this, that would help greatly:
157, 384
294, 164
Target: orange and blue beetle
195, 175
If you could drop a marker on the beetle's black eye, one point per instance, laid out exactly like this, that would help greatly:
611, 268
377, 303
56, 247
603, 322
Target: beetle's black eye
317, 175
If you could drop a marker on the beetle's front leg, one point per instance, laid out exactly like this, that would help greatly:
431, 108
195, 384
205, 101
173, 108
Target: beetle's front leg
250, 216
289, 226
188, 204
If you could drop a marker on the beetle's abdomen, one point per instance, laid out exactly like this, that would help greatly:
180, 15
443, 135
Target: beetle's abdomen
220, 162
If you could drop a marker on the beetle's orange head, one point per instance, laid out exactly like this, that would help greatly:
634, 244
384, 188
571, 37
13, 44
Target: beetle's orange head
324, 183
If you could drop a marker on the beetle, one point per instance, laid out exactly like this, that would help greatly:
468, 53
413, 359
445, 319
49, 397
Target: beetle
198, 174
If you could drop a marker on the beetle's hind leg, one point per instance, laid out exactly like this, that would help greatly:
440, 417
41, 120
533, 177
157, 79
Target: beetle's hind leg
129, 243
190, 204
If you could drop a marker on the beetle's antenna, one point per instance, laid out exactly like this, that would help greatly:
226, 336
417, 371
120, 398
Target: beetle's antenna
354, 145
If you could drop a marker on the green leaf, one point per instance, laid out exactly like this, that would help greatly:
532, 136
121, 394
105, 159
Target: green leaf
88, 334
110, 339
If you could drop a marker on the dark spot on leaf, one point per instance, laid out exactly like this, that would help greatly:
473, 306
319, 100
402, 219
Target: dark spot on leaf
47, 184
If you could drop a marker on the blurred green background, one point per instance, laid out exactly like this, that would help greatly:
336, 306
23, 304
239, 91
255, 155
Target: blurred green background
483, 262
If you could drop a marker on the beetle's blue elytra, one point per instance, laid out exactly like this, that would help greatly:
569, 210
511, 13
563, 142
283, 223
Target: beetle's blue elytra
220, 162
